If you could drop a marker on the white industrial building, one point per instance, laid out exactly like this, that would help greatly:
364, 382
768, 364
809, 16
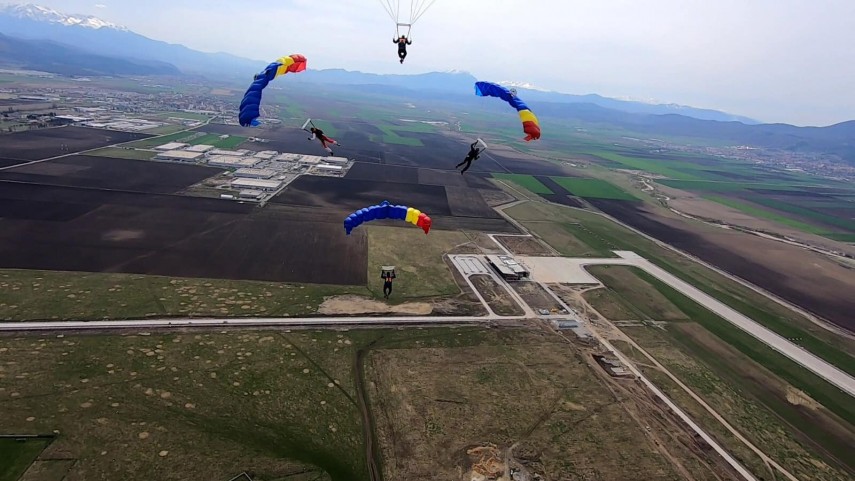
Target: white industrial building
251, 194
335, 160
171, 146
232, 153
180, 155
310, 159
266, 154
329, 168
287, 157
199, 148
255, 173
256, 184
509, 268
232, 161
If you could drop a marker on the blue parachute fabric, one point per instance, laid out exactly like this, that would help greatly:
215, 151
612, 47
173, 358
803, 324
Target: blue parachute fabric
489, 89
250, 105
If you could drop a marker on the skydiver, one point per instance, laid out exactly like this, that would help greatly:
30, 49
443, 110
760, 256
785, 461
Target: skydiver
473, 154
402, 46
387, 284
319, 134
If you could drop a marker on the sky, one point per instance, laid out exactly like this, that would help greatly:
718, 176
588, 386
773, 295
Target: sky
788, 61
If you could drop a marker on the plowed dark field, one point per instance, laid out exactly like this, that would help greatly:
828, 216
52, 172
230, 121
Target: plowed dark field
76, 229
47, 143
801, 277
108, 173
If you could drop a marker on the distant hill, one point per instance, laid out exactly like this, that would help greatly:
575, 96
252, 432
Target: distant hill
53, 57
103, 38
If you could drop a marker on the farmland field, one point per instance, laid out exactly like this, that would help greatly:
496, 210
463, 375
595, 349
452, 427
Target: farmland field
592, 188
110, 231
46, 143
96, 172
526, 181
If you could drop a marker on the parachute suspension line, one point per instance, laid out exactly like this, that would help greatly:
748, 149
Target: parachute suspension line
418, 8
391, 8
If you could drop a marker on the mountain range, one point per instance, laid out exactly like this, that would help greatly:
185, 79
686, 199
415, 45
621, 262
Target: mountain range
39, 38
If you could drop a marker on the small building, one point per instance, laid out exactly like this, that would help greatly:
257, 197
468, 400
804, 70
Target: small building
180, 156
309, 159
230, 161
328, 168
507, 267
266, 154
565, 324
335, 160
199, 148
251, 194
231, 153
171, 146
251, 173
288, 157
256, 184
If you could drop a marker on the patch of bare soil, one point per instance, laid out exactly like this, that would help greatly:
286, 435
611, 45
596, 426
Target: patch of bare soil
497, 297
535, 296
345, 305
525, 246
800, 398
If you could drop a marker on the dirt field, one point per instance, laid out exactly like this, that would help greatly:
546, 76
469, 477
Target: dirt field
355, 194
45, 143
496, 296
102, 231
525, 246
434, 404
806, 279
468, 202
535, 296
94, 172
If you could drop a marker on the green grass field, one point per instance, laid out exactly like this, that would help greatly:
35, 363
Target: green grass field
391, 136
761, 213
592, 188
163, 139
420, 269
16, 456
229, 142
527, 182
724, 186
32, 295
119, 153
184, 115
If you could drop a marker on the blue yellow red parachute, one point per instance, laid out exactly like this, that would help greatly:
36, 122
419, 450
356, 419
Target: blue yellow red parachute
384, 210
530, 124
249, 106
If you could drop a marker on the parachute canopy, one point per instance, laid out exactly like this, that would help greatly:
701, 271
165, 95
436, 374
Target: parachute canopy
405, 13
530, 124
387, 211
249, 106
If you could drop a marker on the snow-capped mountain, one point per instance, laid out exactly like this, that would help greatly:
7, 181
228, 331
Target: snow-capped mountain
43, 14
100, 37
522, 85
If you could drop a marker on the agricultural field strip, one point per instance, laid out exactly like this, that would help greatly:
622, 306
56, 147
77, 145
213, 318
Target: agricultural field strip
658, 393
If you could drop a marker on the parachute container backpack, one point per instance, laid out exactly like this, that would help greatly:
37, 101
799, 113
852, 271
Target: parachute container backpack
385, 210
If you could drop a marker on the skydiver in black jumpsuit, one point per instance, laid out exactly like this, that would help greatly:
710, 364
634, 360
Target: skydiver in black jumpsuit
472, 155
402, 46
387, 285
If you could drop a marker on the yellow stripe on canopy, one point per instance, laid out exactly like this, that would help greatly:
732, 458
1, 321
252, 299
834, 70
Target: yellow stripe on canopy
528, 116
286, 62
